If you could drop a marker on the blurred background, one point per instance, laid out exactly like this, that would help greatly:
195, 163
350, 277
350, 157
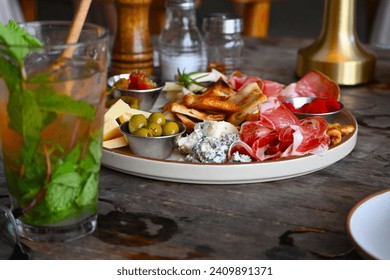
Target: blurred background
292, 18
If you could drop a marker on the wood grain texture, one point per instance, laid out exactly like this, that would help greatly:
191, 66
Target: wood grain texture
132, 47
300, 218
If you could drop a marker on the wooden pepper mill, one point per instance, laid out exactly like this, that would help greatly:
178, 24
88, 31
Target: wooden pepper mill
132, 47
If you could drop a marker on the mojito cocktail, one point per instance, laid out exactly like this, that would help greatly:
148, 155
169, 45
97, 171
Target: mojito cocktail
51, 119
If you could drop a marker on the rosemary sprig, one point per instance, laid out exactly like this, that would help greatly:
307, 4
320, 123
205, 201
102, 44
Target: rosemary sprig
187, 80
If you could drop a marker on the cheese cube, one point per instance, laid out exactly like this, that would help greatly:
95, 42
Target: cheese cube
127, 115
124, 117
115, 143
111, 130
116, 110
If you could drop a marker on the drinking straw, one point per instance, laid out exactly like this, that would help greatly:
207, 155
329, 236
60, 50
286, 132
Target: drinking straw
76, 26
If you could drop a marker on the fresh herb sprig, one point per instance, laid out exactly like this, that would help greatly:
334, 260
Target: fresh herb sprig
187, 80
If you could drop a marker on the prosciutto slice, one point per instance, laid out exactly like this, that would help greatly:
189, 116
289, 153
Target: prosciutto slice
274, 114
238, 80
279, 134
314, 83
272, 88
317, 84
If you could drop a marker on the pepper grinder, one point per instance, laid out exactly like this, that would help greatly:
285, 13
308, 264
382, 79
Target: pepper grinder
132, 47
337, 52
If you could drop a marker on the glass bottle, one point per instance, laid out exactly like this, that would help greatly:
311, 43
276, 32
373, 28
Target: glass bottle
224, 43
180, 43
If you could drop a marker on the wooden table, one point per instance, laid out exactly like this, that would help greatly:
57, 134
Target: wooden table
300, 218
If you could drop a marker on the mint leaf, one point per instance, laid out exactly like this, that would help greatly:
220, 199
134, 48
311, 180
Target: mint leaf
28, 120
95, 148
24, 191
71, 179
60, 197
89, 192
26, 116
69, 163
51, 101
18, 40
91, 161
89, 164
10, 74
65, 182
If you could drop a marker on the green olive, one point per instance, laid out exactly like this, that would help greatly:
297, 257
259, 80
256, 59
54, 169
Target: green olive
122, 83
144, 132
170, 128
155, 128
136, 122
157, 117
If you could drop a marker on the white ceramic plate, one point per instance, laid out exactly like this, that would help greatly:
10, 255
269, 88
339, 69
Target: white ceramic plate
368, 226
175, 170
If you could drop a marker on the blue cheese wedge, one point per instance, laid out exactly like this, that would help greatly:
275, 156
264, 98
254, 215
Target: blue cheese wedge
237, 157
205, 129
212, 150
210, 142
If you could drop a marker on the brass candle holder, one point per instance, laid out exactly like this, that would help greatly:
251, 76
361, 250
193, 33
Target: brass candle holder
337, 52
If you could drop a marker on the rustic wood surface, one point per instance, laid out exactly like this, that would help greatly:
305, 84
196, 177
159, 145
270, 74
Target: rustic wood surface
300, 218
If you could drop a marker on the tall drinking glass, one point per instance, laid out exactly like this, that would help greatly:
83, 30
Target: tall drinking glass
51, 120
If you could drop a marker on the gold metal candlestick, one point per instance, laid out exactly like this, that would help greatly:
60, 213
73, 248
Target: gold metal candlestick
337, 52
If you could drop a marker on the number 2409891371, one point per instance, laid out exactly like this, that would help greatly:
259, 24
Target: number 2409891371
238, 270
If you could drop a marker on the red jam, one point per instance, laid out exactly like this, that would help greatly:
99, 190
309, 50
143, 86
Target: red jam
317, 106
137, 80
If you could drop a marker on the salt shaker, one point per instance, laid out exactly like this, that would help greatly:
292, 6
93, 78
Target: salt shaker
180, 43
224, 43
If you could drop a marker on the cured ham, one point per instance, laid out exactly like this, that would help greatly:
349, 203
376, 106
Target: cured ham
279, 134
272, 88
238, 81
317, 84
274, 114
314, 83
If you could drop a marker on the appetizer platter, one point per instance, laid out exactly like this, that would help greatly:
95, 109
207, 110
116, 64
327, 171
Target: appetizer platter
238, 129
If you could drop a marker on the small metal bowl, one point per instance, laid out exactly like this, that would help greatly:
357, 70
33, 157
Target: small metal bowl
146, 98
298, 102
160, 147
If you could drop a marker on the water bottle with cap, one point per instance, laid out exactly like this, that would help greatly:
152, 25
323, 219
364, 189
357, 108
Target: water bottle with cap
224, 43
180, 43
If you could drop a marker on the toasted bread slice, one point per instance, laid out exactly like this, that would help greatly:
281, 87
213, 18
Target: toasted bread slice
190, 124
193, 113
214, 98
212, 103
168, 115
249, 106
244, 92
219, 88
